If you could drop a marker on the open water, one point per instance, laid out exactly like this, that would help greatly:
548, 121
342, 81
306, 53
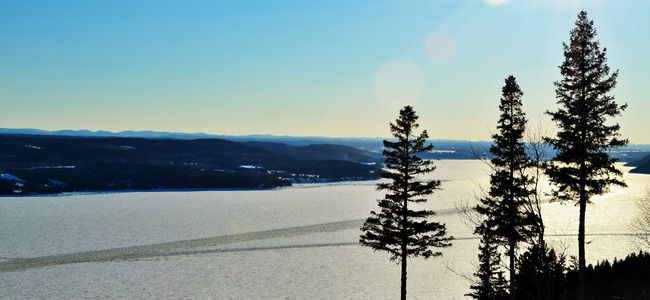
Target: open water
292, 243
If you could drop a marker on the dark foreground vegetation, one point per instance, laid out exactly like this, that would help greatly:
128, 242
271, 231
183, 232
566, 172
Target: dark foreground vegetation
628, 279
54, 164
582, 166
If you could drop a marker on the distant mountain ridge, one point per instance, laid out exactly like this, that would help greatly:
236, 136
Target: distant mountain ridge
171, 135
103, 133
371, 144
443, 149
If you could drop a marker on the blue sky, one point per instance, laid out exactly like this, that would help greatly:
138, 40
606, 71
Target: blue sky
302, 68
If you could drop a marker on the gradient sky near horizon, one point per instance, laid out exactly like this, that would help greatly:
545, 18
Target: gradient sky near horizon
303, 68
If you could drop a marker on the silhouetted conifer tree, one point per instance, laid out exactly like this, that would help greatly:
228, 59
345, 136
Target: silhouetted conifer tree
507, 218
540, 274
398, 228
582, 166
491, 283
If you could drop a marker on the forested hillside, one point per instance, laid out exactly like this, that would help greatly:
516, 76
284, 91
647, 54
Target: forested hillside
642, 165
54, 164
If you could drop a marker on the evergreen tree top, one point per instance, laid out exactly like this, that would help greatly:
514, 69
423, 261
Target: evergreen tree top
398, 228
585, 102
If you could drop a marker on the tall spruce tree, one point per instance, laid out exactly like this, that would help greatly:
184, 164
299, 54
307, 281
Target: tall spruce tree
582, 166
491, 284
398, 228
506, 216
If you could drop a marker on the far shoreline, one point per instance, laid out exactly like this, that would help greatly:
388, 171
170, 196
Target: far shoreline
625, 168
188, 190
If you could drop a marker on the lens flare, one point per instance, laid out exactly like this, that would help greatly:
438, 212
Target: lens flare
496, 2
441, 48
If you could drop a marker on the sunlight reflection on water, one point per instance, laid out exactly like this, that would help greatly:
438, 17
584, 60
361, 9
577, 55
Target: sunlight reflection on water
282, 251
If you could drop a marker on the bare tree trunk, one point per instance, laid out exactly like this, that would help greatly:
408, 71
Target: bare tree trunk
511, 253
404, 238
581, 231
581, 250
403, 297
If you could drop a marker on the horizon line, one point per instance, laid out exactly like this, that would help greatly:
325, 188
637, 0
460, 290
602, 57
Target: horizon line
106, 133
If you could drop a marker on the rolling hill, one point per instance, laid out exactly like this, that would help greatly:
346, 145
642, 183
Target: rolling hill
54, 164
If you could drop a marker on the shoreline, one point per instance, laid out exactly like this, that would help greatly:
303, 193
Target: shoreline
101, 192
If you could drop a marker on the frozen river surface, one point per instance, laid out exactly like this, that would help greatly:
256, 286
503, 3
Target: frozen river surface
292, 243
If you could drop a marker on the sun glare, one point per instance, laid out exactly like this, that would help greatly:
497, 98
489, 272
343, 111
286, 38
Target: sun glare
496, 2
